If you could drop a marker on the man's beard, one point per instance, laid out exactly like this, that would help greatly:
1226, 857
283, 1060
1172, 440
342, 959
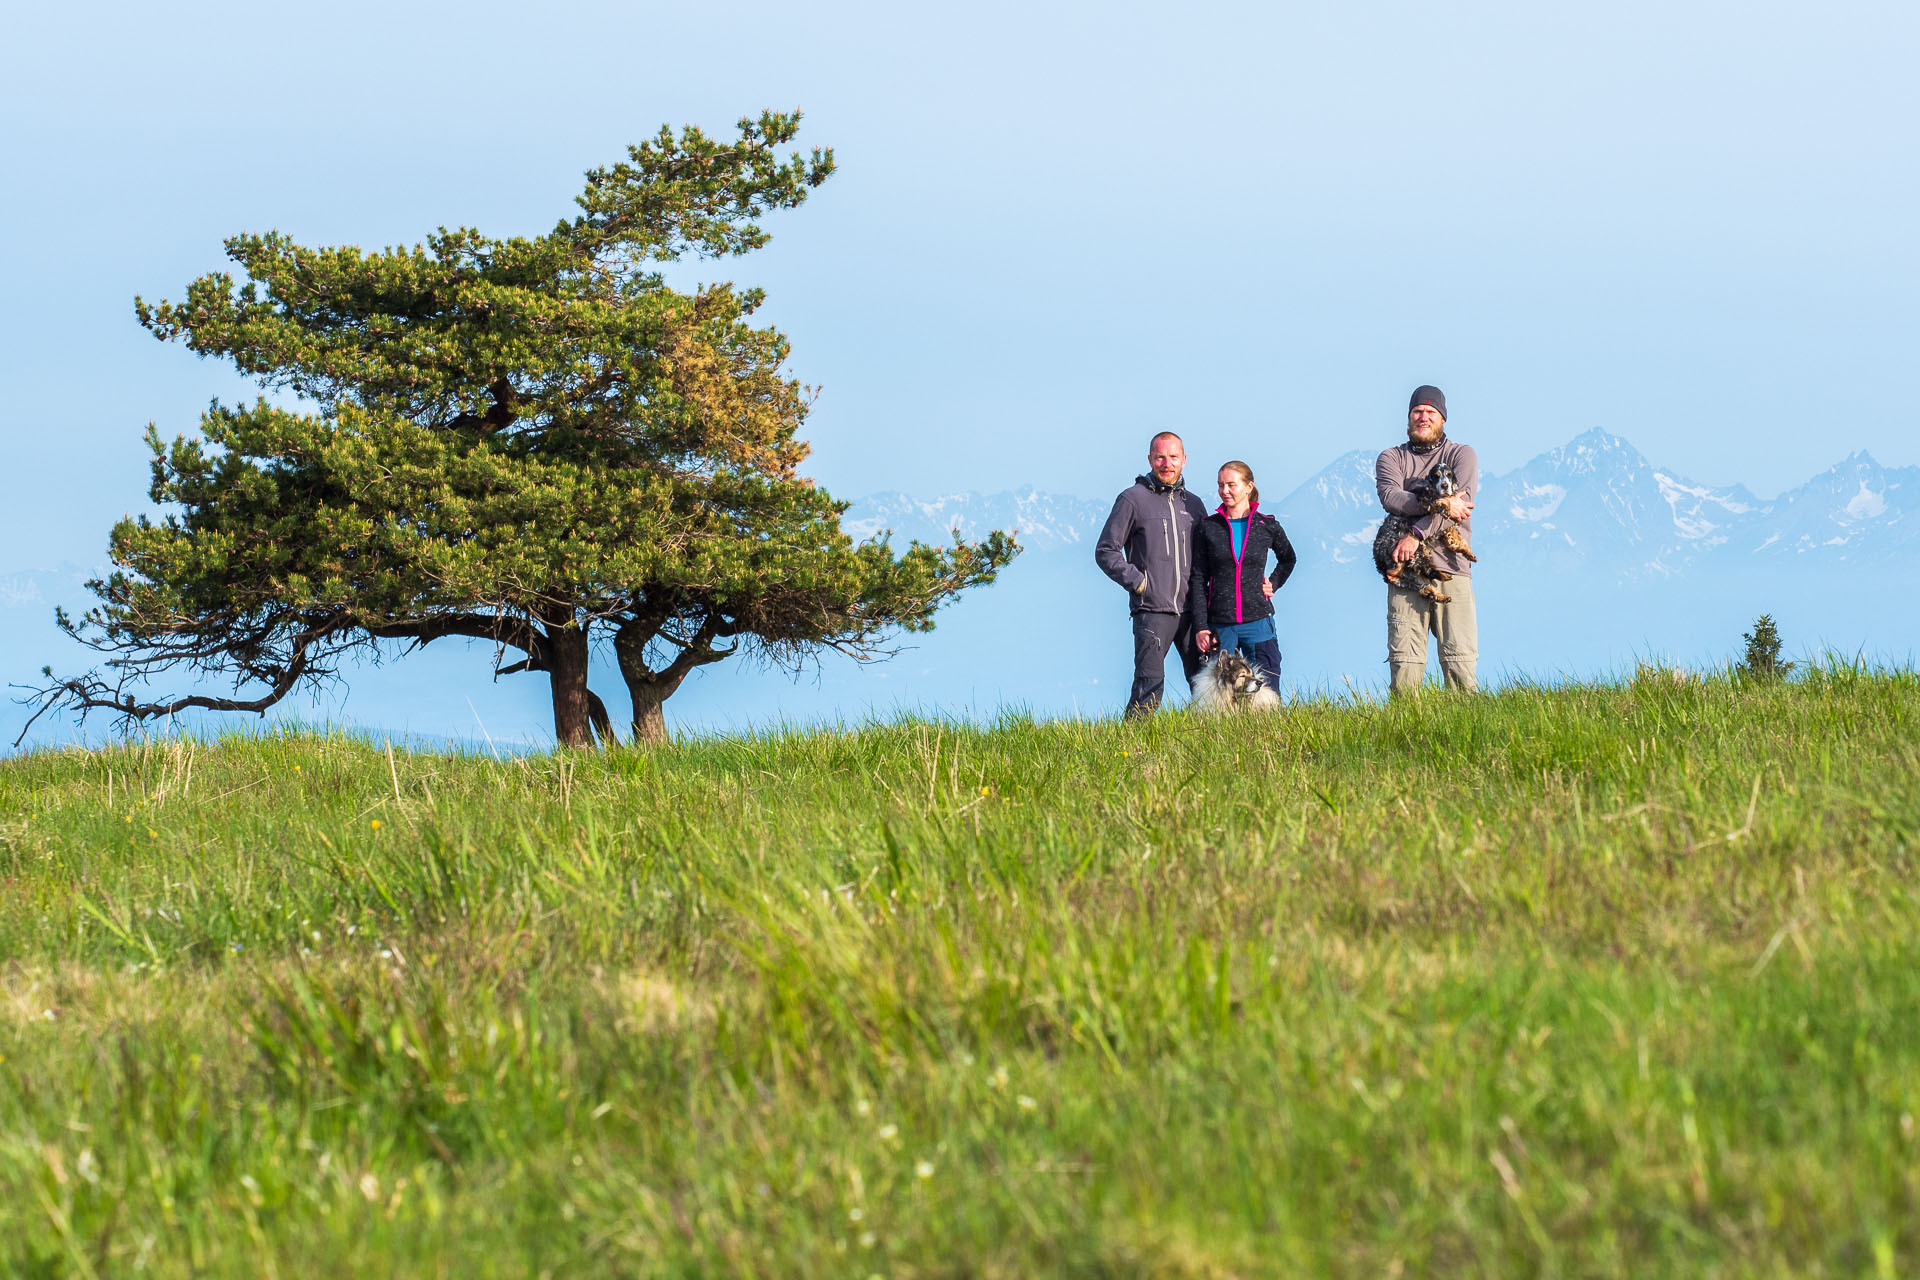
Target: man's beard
1425, 438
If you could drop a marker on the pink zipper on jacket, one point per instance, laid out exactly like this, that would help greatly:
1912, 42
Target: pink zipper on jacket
1239, 610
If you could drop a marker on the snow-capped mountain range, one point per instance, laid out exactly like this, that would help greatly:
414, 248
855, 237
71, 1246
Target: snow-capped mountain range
1592, 559
1046, 521
1593, 505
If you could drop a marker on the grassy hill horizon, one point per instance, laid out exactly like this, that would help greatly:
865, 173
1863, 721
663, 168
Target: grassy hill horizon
1615, 980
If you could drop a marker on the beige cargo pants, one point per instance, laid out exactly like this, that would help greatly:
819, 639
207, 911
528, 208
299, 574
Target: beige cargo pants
1411, 618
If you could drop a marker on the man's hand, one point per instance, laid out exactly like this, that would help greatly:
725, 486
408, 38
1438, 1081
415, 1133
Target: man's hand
1203, 640
1403, 550
1140, 587
1456, 506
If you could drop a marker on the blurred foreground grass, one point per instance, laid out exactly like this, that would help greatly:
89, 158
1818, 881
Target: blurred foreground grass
1594, 981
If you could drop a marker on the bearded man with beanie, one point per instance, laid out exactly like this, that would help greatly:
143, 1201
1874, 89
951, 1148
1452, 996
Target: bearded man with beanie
1399, 474
1147, 547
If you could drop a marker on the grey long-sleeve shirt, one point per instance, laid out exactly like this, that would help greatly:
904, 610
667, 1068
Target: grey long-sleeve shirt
1400, 466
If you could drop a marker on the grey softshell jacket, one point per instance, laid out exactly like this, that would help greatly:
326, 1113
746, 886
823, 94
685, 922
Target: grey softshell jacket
1148, 539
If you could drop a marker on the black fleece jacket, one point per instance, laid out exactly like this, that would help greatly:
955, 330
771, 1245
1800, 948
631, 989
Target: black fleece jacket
1220, 592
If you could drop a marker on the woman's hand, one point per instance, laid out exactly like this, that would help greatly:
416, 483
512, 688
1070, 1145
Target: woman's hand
1203, 640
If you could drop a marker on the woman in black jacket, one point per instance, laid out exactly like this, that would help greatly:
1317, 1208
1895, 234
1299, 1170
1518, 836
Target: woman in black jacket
1228, 592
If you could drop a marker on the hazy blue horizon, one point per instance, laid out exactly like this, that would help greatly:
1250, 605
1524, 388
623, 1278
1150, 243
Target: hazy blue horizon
1053, 230
1550, 614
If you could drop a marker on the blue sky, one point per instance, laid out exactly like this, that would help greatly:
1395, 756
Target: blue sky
1055, 228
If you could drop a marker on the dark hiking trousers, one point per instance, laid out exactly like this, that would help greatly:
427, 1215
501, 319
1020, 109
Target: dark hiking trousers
1153, 635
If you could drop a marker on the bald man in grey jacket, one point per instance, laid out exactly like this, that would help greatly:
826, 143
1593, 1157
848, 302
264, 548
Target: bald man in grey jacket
1147, 547
1411, 617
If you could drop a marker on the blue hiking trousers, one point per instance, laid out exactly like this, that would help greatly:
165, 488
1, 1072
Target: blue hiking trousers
1257, 641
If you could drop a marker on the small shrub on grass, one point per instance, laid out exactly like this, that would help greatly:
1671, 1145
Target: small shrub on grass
1763, 660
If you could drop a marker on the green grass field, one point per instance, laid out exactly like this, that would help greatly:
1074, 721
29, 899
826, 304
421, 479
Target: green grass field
1618, 981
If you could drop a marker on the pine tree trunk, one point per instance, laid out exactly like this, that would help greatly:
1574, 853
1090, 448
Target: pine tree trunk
649, 715
571, 724
650, 689
602, 722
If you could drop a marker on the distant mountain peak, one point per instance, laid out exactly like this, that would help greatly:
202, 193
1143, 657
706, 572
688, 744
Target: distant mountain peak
1595, 449
1598, 438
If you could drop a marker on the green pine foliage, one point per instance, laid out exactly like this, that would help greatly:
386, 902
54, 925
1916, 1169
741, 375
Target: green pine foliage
534, 442
1763, 661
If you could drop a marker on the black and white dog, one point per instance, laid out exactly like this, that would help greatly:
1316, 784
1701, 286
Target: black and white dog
1433, 490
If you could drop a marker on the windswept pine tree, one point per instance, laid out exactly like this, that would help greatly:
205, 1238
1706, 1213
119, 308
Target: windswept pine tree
532, 442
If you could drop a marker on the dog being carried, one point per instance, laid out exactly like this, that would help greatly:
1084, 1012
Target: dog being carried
1435, 489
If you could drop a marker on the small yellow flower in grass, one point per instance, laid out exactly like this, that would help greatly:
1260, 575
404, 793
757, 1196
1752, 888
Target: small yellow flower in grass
986, 791
129, 819
152, 834
376, 824
923, 1170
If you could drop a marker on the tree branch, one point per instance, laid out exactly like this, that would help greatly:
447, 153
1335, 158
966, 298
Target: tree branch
500, 628
631, 640
602, 722
89, 693
499, 415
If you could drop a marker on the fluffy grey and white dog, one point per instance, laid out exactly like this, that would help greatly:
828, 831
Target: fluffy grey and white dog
1231, 683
